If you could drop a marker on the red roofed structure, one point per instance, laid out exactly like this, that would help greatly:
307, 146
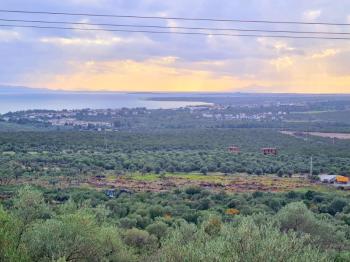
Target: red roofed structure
269, 151
234, 149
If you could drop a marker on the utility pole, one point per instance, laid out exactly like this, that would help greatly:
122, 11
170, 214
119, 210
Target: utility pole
105, 139
311, 166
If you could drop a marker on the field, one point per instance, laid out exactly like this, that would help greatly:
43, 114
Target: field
330, 135
342, 136
238, 183
214, 182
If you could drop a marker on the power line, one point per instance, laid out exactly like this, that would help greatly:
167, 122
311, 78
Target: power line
174, 27
176, 32
174, 18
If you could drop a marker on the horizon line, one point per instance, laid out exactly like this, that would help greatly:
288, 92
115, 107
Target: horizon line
164, 92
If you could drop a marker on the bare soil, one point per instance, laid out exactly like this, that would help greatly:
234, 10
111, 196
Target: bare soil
214, 183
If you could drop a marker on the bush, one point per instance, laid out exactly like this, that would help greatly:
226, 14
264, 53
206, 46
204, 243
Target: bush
140, 239
212, 226
336, 206
245, 242
75, 237
156, 211
127, 222
192, 190
158, 229
296, 217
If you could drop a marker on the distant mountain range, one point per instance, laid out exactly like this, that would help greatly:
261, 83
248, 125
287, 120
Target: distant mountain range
23, 90
250, 92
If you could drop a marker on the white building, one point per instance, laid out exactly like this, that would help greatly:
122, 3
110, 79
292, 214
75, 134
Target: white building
327, 178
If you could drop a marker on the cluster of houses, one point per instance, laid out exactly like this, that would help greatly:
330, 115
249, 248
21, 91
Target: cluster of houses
341, 182
245, 116
221, 112
272, 151
79, 123
84, 119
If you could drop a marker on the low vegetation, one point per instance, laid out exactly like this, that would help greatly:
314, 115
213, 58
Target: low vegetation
161, 185
184, 225
75, 154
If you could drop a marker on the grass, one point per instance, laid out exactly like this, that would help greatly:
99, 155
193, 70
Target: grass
324, 189
9, 153
234, 183
194, 176
33, 153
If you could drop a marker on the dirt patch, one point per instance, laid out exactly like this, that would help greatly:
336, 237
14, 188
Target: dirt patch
343, 136
234, 183
238, 183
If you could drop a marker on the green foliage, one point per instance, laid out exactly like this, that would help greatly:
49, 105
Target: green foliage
158, 229
74, 237
30, 205
213, 226
192, 190
244, 242
190, 224
337, 205
140, 239
8, 238
80, 154
174, 227
296, 217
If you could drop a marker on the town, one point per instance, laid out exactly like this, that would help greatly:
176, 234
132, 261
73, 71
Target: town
115, 119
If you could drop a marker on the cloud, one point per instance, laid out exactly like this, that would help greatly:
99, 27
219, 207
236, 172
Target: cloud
76, 41
326, 53
283, 46
282, 62
298, 75
88, 2
167, 60
137, 61
9, 35
279, 46
312, 15
129, 75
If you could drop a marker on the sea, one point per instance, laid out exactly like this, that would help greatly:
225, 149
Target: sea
69, 100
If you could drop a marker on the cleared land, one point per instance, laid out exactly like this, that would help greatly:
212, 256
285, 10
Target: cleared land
319, 134
214, 182
237, 183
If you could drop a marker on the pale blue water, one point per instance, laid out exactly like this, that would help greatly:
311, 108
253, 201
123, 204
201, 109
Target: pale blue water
59, 101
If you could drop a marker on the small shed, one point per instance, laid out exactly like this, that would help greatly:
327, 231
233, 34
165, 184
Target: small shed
269, 151
234, 149
327, 178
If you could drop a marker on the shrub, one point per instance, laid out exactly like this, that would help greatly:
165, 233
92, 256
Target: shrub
336, 206
140, 239
127, 222
158, 229
192, 190
212, 226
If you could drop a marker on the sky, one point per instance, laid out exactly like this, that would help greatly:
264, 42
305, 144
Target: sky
115, 61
